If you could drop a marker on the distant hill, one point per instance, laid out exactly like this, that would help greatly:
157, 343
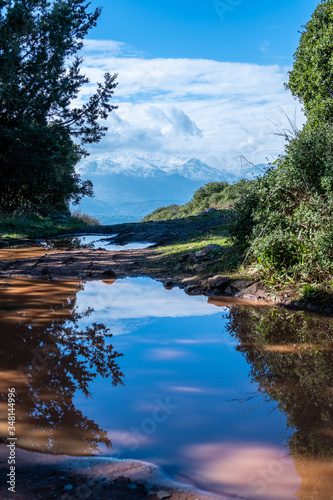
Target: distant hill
129, 186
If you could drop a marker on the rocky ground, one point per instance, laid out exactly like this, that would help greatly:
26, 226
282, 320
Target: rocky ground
46, 477
196, 271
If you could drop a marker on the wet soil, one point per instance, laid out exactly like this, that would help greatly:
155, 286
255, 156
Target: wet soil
41, 476
94, 264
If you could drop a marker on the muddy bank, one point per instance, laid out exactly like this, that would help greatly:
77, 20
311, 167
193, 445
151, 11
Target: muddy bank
101, 264
190, 271
162, 232
68, 478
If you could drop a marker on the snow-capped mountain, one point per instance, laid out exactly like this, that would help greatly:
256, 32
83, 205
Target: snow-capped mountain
130, 185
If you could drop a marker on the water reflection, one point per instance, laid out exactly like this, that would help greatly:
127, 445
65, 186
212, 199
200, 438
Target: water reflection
48, 359
291, 358
232, 398
92, 241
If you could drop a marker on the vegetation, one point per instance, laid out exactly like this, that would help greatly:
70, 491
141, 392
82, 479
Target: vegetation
311, 79
290, 354
26, 226
192, 234
219, 195
285, 223
40, 80
58, 358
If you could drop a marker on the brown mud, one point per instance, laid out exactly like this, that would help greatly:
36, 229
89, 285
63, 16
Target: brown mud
37, 262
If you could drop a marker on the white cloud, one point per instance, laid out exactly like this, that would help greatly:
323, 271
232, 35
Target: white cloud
127, 301
190, 106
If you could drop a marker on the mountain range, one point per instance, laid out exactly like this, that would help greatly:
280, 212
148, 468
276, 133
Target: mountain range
128, 186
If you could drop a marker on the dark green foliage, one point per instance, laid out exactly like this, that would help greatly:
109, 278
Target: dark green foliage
38, 85
286, 222
217, 195
311, 79
290, 355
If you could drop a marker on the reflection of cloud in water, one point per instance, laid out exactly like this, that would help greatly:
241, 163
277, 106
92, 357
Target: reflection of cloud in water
138, 299
259, 472
199, 390
167, 354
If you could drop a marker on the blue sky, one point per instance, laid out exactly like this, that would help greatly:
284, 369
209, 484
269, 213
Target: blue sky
197, 78
252, 31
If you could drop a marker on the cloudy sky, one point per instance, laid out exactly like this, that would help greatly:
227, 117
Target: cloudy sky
197, 77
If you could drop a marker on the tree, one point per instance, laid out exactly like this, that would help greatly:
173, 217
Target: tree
311, 79
40, 80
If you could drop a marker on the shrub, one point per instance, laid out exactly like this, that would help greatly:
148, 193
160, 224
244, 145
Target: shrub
86, 219
217, 195
286, 222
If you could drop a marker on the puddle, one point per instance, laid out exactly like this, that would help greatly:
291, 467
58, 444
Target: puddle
230, 398
68, 242
93, 241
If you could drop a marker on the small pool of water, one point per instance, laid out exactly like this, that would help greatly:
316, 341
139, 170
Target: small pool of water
92, 241
233, 399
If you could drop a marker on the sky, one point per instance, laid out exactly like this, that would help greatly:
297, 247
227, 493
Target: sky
197, 77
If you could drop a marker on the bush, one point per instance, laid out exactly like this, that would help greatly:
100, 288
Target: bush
219, 195
86, 219
286, 222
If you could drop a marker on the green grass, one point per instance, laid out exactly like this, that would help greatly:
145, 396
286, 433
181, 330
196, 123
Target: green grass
226, 260
15, 228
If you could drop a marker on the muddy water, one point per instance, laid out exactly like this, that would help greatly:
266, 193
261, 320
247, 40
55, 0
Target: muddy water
232, 398
69, 242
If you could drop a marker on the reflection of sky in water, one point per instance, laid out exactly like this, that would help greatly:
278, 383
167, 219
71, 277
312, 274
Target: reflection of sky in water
100, 241
129, 303
176, 347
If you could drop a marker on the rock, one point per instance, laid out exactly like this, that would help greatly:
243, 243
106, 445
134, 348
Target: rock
69, 260
200, 268
163, 494
250, 296
192, 289
218, 282
207, 250
241, 285
312, 307
68, 487
187, 257
109, 274
298, 305
168, 284
178, 267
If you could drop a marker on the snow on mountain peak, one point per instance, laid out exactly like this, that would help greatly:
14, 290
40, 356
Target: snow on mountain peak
152, 165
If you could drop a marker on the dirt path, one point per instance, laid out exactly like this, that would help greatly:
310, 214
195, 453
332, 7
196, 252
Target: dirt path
189, 272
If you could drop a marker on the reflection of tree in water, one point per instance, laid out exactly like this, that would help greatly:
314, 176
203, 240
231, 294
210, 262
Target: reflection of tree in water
291, 358
70, 242
57, 360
